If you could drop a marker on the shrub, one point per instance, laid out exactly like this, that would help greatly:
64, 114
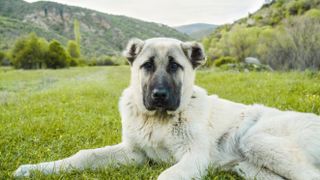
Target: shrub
108, 61
1, 57
225, 60
105, 61
298, 6
313, 14
92, 61
244, 67
295, 46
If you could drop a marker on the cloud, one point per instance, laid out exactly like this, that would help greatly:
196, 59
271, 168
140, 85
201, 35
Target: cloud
173, 12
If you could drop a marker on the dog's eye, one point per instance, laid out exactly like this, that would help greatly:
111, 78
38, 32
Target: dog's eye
148, 66
173, 67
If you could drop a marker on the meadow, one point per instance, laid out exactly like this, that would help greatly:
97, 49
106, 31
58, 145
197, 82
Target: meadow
47, 115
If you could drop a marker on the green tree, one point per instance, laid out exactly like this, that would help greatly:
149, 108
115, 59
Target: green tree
295, 45
73, 52
57, 56
73, 49
242, 42
29, 52
76, 30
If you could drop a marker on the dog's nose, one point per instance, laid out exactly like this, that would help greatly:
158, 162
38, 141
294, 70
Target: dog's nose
160, 94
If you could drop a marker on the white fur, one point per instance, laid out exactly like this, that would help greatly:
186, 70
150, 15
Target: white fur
256, 141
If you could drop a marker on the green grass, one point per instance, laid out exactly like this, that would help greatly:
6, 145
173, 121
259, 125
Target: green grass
51, 114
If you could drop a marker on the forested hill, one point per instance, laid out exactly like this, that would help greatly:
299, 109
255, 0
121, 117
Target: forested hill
101, 33
284, 34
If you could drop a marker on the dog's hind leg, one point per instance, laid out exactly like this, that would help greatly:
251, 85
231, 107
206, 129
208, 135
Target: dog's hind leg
251, 172
278, 154
86, 159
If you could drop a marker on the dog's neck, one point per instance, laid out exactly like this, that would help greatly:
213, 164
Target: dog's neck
159, 116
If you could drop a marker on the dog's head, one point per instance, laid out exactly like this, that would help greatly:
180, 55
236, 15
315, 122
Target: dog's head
163, 71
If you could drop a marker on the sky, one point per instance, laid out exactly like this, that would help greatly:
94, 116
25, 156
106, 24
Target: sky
173, 12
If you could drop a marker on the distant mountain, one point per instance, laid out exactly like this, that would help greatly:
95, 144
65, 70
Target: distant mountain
197, 30
101, 33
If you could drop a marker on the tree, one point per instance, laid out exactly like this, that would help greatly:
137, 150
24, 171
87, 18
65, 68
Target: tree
29, 52
57, 56
76, 30
73, 49
242, 42
294, 46
73, 52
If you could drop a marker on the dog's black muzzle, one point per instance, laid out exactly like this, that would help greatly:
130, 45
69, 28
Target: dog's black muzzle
162, 99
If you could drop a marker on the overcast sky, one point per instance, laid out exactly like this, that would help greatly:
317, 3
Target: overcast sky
173, 12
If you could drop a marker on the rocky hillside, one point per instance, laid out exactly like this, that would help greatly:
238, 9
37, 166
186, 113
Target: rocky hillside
284, 34
100, 33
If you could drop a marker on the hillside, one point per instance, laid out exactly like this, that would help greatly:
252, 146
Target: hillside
284, 34
278, 11
197, 30
100, 33
10, 29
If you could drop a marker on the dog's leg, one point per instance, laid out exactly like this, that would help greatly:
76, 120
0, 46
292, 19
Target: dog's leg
251, 172
279, 155
87, 159
193, 165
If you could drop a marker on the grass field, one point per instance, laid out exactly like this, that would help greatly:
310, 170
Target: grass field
50, 114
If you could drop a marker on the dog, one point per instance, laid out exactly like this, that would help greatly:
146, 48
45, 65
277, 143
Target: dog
166, 118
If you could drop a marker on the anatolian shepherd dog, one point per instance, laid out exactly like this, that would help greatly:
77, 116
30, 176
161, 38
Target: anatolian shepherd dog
166, 118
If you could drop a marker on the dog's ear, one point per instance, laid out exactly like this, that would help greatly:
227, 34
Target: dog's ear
133, 48
195, 53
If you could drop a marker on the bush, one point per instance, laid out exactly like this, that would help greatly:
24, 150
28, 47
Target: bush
313, 14
293, 8
244, 67
1, 57
225, 60
57, 56
299, 6
107, 61
92, 61
294, 46
73, 61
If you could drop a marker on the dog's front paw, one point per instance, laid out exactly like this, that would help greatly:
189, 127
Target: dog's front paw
24, 170
170, 174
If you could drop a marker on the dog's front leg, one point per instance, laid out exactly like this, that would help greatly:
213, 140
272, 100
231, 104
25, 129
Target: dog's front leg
193, 165
87, 159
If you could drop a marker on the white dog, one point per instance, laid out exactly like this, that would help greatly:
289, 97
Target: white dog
167, 119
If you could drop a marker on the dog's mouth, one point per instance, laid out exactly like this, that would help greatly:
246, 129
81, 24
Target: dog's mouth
161, 105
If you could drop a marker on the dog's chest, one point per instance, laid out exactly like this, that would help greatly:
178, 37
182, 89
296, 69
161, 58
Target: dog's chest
161, 141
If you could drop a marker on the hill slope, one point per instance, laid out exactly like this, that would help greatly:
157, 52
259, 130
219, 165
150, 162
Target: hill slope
10, 29
197, 30
283, 34
101, 33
